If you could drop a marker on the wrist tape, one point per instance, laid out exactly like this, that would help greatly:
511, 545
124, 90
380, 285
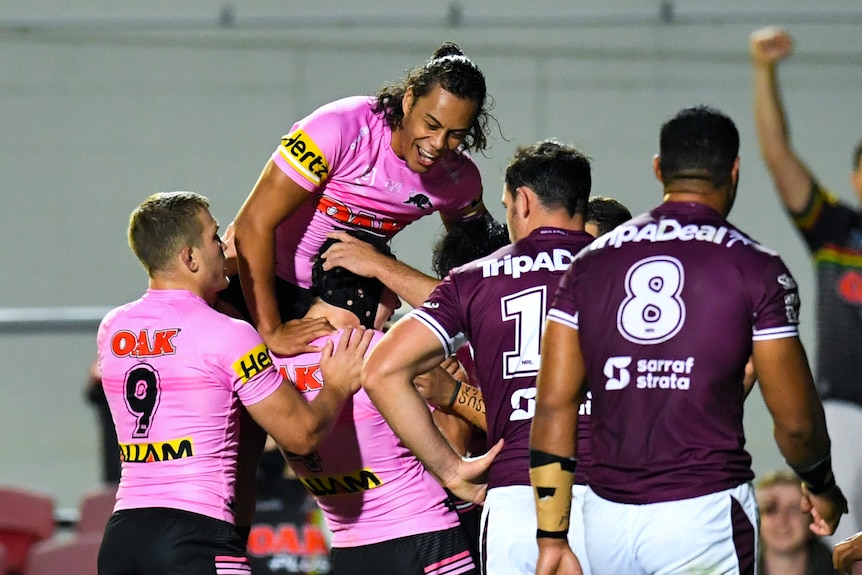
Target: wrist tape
455, 393
818, 478
552, 477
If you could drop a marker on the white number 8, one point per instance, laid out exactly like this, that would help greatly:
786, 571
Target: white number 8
653, 311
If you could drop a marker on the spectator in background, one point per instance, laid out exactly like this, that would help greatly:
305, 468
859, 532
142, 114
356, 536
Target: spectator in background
288, 532
787, 545
832, 232
109, 448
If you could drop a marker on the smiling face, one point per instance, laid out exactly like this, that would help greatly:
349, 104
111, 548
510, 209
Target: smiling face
783, 526
433, 127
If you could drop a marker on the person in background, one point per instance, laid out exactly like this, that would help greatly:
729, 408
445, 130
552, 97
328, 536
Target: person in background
832, 232
787, 545
109, 449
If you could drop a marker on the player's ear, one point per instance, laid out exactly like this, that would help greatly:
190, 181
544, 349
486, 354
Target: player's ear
656, 168
526, 197
407, 100
187, 256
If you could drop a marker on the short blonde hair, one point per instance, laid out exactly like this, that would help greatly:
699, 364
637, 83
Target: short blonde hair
164, 224
778, 477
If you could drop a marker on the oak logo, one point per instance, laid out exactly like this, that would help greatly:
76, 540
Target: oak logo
163, 451
285, 538
252, 363
127, 343
304, 377
300, 151
343, 213
361, 480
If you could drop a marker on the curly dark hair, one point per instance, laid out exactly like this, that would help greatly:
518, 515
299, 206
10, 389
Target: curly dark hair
466, 241
450, 69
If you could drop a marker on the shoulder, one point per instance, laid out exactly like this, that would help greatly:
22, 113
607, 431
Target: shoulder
346, 111
217, 331
460, 169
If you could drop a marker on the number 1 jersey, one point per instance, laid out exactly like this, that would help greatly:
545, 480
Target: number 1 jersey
499, 303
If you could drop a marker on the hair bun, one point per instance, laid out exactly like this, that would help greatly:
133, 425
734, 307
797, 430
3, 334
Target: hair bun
448, 49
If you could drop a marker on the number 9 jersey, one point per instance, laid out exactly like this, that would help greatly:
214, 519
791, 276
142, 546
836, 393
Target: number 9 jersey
174, 371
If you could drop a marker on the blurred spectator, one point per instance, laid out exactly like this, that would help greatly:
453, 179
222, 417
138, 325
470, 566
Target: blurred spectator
110, 450
787, 545
288, 531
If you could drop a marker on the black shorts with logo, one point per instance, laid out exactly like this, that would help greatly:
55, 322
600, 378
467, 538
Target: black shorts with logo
160, 541
427, 553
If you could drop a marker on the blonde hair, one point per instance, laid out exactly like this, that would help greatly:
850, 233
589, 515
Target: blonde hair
164, 224
778, 477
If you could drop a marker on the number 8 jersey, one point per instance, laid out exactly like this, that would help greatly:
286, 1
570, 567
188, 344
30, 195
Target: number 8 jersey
667, 307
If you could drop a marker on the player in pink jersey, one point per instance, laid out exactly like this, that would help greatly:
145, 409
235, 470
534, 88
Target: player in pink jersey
175, 372
387, 513
369, 163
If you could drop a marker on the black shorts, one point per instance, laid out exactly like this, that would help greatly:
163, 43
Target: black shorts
432, 553
159, 541
293, 301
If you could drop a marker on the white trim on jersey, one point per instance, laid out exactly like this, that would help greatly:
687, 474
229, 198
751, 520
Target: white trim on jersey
449, 343
564, 318
775, 333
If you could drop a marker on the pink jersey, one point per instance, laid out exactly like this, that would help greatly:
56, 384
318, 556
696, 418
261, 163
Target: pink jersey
370, 487
172, 369
342, 153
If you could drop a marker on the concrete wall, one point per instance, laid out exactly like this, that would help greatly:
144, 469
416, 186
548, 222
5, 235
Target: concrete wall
98, 109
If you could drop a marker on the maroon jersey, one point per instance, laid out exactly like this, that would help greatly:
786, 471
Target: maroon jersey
500, 303
667, 307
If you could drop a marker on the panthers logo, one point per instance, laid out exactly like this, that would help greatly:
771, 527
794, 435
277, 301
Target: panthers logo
421, 201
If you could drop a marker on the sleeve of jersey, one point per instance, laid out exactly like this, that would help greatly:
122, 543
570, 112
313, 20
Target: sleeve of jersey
825, 220
468, 200
249, 365
564, 308
310, 152
776, 302
440, 314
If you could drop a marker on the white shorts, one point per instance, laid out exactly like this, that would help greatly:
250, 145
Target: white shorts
715, 533
508, 531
